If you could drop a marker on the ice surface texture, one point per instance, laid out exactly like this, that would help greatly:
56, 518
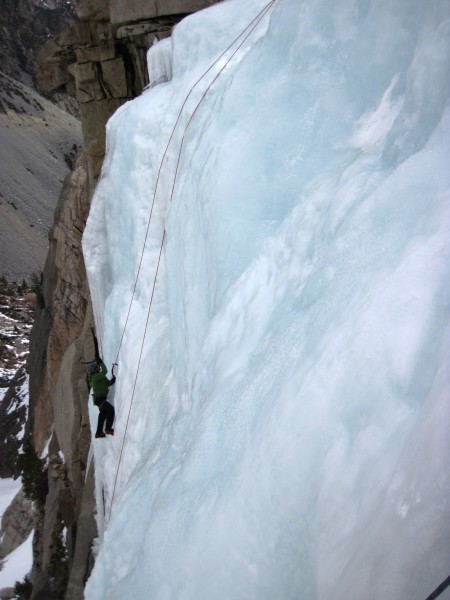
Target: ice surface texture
288, 437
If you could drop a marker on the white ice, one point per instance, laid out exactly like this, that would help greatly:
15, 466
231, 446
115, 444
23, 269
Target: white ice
282, 411
159, 61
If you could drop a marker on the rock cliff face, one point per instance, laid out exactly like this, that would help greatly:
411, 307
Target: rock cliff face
103, 59
58, 401
13, 415
17, 524
24, 24
37, 138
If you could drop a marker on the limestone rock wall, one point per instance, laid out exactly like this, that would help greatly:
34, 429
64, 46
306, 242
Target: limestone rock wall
138, 10
62, 307
24, 25
58, 402
103, 59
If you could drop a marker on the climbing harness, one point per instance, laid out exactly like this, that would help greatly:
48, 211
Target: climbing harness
95, 361
244, 35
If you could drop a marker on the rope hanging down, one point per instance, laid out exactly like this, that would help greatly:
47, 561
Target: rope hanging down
438, 591
136, 378
248, 30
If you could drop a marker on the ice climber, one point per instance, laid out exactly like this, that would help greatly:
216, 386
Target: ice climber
100, 385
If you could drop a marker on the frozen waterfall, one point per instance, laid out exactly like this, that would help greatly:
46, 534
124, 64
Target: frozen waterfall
285, 434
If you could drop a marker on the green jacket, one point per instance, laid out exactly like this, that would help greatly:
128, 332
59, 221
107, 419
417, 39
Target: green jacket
99, 382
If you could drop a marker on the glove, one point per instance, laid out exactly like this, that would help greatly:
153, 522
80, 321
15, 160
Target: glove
113, 380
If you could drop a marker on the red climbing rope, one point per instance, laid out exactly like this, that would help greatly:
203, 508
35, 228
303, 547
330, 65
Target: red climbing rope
251, 26
137, 373
248, 30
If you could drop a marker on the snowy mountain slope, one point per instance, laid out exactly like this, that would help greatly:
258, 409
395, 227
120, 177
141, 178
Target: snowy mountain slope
281, 412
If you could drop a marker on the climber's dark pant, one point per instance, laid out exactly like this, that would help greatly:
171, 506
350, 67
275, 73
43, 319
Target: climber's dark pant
106, 413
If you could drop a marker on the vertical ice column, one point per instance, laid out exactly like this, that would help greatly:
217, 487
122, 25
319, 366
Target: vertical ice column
159, 62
